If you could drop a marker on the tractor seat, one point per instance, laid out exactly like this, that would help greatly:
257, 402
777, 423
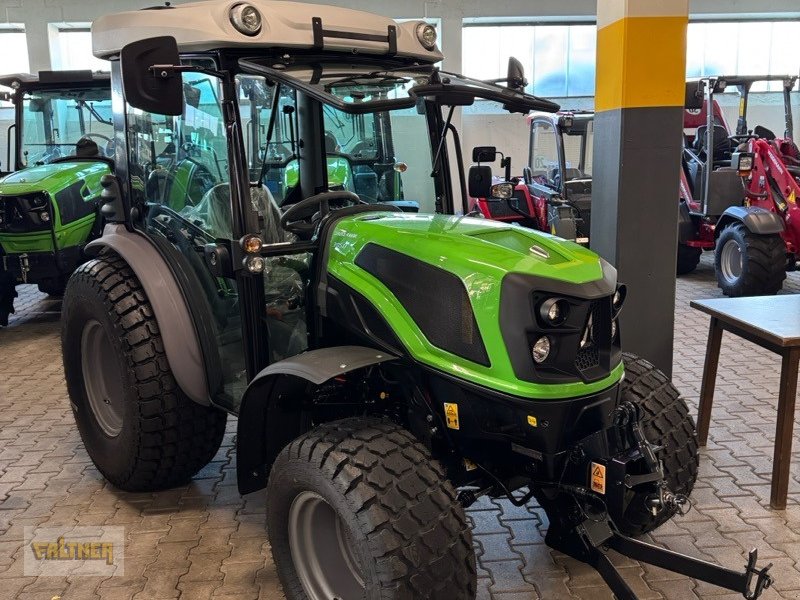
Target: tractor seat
721, 143
87, 148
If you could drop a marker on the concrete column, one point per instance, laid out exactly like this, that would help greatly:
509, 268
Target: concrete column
641, 71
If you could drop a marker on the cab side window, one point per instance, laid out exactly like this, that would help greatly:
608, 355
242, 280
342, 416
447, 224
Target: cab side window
271, 162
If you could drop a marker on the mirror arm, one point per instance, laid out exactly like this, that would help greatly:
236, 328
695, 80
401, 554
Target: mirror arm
168, 71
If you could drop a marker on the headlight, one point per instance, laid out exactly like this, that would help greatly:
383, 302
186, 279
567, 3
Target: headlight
246, 19
554, 311
613, 329
255, 264
44, 216
426, 34
504, 191
541, 350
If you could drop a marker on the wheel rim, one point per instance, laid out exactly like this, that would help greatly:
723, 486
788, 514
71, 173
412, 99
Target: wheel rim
730, 261
322, 550
102, 378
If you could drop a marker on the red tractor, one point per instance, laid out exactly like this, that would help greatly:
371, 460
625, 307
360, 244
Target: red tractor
555, 192
748, 228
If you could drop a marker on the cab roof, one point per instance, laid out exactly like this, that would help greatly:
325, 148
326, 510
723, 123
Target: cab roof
203, 26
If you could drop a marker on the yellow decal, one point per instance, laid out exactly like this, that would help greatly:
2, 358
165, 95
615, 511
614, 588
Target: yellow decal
792, 199
451, 415
598, 478
469, 465
532, 421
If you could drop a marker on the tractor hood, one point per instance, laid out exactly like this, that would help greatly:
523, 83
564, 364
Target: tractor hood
461, 294
52, 177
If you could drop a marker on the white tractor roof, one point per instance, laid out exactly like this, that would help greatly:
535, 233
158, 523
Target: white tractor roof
199, 26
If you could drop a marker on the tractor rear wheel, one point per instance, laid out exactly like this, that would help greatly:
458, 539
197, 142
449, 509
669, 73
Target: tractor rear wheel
688, 259
358, 509
749, 264
666, 422
139, 429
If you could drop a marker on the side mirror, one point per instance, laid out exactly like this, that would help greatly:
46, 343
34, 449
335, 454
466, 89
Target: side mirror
480, 181
694, 95
515, 79
148, 90
482, 154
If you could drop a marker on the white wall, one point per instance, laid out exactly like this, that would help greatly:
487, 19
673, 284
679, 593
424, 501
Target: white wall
504, 130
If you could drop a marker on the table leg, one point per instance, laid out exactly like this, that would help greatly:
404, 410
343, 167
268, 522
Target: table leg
709, 380
784, 429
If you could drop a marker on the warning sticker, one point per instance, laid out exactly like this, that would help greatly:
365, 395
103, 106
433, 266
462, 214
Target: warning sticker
451, 415
598, 478
532, 421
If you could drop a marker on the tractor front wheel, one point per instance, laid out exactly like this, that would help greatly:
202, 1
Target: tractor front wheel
688, 259
666, 423
749, 264
358, 509
139, 428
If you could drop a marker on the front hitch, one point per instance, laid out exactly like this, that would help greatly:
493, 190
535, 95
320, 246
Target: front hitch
581, 526
591, 540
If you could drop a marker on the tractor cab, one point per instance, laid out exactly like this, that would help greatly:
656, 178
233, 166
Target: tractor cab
59, 147
53, 112
554, 192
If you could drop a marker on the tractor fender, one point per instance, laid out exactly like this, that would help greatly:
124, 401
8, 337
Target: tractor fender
757, 220
686, 226
181, 342
268, 415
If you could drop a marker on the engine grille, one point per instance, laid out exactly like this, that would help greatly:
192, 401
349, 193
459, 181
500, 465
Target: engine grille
21, 214
500, 208
435, 299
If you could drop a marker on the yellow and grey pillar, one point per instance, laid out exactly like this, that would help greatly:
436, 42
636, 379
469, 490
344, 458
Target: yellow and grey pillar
638, 136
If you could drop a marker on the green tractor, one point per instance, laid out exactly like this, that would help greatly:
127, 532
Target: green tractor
62, 147
387, 368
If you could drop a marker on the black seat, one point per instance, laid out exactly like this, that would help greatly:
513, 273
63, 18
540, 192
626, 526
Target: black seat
721, 144
87, 148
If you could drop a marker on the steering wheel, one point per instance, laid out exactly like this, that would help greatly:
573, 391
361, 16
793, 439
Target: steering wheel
297, 218
91, 135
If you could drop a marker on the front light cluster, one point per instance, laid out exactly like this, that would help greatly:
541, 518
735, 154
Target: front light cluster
427, 36
541, 349
246, 19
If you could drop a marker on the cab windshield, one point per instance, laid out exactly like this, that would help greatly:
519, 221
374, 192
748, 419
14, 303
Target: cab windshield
383, 156
54, 120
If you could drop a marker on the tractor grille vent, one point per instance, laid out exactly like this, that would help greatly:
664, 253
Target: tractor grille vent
500, 208
436, 300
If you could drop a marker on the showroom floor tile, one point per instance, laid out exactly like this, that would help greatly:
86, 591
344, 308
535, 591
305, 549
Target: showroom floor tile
205, 541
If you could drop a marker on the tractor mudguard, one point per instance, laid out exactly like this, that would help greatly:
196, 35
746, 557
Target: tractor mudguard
686, 227
181, 342
265, 402
757, 220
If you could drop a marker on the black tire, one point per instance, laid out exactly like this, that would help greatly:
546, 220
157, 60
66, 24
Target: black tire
407, 531
665, 422
763, 262
53, 287
160, 438
688, 259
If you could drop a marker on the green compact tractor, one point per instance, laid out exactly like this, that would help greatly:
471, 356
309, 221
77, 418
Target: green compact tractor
387, 368
62, 147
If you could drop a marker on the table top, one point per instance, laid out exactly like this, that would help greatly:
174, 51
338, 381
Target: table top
775, 319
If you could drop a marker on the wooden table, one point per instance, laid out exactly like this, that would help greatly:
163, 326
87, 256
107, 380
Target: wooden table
772, 322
